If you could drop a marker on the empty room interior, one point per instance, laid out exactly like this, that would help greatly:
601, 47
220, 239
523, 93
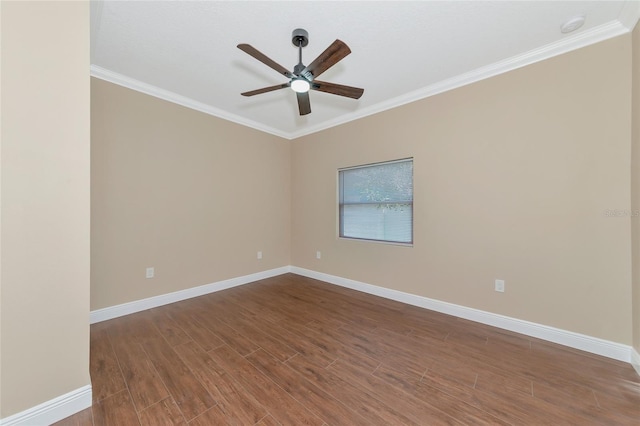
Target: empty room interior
443, 228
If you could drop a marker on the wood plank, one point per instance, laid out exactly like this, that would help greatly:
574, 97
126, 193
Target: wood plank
214, 416
265, 340
116, 409
626, 407
418, 411
440, 394
410, 356
317, 400
106, 376
228, 335
300, 345
187, 392
184, 318
163, 413
360, 400
144, 383
229, 394
331, 346
495, 381
281, 405
268, 421
167, 327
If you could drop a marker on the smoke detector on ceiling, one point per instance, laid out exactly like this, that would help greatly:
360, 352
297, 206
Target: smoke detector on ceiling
572, 24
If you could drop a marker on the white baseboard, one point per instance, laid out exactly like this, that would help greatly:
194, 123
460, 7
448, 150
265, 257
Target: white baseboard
563, 337
52, 411
635, 360
583, 342
164, 299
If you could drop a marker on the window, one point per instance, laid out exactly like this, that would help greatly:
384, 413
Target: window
376, 202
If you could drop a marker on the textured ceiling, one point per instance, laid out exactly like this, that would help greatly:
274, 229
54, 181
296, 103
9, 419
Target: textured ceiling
185, 52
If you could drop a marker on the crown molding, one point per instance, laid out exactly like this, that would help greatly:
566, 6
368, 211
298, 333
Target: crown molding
583, 39
629, 15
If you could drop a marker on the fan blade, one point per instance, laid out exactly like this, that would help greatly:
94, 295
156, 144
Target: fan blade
265, 89
304, 106
326, 60
337, 89
264, 59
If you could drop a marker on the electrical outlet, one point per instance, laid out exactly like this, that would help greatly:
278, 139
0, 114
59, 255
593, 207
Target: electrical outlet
318, 255
151, 272
500, 286
259, 255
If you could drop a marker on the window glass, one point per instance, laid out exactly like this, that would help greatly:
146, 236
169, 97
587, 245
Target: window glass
376, 202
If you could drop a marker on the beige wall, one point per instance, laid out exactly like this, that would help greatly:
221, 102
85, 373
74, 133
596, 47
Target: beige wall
635, 187
194, 196
512, 178
45, 202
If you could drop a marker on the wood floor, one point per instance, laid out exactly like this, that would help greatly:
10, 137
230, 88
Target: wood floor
294, 351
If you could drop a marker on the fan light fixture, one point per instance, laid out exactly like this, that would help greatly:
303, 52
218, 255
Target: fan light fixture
300, 85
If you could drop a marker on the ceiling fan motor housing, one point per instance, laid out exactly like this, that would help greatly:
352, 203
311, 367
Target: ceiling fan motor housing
300, 37
297, 70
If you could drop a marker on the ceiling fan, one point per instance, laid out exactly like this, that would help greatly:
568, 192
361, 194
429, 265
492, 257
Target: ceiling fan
303, 78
